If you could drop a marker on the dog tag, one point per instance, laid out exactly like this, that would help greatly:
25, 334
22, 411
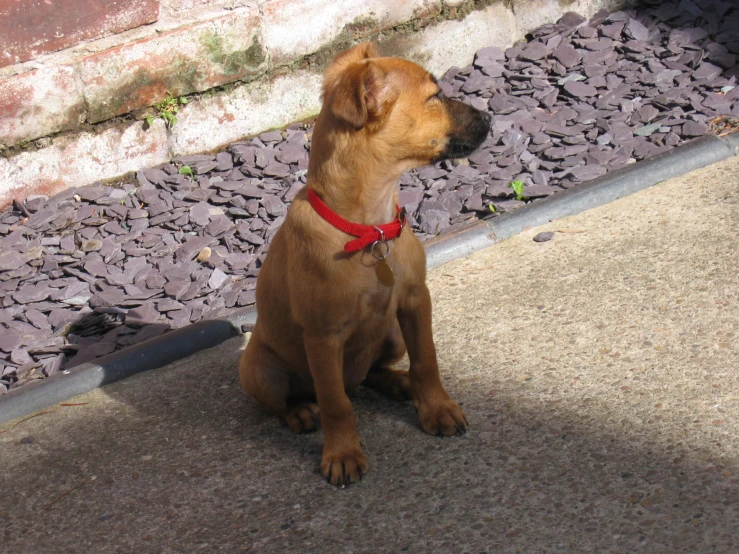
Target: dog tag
384, 273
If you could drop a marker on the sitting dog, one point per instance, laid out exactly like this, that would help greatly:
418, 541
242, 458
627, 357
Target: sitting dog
342, 292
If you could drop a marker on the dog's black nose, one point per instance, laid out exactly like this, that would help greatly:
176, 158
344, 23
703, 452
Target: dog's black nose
486, 117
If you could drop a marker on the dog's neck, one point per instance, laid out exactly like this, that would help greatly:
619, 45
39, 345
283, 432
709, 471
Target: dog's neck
355, 185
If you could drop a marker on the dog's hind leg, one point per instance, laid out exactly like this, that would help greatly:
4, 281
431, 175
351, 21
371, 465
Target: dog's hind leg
263, 379
391, 382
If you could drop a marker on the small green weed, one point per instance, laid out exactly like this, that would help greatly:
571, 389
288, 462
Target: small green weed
517, 187
129, 193
491, 208
187, 170
167, 110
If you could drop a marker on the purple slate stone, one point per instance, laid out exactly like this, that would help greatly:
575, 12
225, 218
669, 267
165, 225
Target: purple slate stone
11, 259
291, 155
695, 128
567, 55
92, 193
247, 235
490, 53
276, 169
31, 293
587, 172
176, 289
612, 31
707, 71
271, 136
635, 30
534, 51
75, 289
37, 319
149, 332
204, 167
142, 315
154, 175
687, 35
168, 305
247, 298
107, 298
225, 161
41, 218
432, 221
59, 317
217, 278
250, 190
9, 339
20, 357
180, 318
200, 213
273, 205
537, 191
219, 225
572, 19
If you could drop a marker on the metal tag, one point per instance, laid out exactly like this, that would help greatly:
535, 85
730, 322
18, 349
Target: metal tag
384, 273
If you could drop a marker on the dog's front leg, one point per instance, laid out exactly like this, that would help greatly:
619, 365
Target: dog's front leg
343, 461
439, 414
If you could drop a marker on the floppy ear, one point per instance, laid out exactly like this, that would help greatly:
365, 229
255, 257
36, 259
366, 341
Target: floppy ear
358, 94
356, 54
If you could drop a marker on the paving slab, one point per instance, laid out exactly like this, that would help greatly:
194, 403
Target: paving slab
598, 370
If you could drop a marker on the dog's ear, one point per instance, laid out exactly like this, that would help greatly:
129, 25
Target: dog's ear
356, 54
359, 93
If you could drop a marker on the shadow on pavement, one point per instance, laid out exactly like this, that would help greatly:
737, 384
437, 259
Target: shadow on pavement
177, 458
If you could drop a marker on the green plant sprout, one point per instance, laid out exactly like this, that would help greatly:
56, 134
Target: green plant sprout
491, 208
517, 187
167, 110
186, 170
129, 193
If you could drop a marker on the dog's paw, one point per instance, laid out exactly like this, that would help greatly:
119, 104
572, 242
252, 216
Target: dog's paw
391, 382
444, 418
303, 418
344, 467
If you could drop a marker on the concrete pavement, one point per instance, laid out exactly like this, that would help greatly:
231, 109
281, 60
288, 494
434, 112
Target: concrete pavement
599, 372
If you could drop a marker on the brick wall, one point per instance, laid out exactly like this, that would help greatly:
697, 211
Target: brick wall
78, 76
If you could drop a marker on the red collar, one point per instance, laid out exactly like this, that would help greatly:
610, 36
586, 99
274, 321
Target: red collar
367, 234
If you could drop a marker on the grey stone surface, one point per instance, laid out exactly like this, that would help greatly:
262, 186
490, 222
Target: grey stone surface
598, 372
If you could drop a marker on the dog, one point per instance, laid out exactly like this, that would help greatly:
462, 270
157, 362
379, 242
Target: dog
341, 295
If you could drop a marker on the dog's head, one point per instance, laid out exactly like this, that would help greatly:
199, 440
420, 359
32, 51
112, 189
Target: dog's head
399, 106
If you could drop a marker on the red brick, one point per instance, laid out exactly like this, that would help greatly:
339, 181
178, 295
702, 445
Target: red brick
39, 103
30, 29
190, 59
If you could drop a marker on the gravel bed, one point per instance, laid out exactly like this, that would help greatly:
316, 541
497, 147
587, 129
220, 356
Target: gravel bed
95, 269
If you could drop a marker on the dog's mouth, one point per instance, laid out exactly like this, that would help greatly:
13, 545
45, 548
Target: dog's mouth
469, 132
457, 147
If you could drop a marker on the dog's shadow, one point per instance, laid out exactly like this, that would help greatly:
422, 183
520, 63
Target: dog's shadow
202, 441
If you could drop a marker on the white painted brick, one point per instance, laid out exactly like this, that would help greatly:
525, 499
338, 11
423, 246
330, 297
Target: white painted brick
454, 3
294, 28
113, 152
190, 59
81, 159
39, 103
454, 43
210, 123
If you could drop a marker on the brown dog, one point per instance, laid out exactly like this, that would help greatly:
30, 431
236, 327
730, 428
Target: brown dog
330, 319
